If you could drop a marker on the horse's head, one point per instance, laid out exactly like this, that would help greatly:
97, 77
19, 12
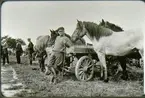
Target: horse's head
54, 33
105, 24
110, 26
79, 32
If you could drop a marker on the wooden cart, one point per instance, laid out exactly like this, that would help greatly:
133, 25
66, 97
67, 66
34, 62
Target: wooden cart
81, 60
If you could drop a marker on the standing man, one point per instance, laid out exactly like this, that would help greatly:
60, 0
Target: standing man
56, 59
30, 50
19, 52
4, 53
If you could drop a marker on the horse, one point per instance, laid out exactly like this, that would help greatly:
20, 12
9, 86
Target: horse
108, 42
130, 57
42, 42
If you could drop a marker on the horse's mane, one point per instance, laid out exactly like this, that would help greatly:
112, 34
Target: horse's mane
111, 26
96, 30
67, 36
52, 39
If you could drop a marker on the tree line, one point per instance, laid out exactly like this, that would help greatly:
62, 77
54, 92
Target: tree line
11, 42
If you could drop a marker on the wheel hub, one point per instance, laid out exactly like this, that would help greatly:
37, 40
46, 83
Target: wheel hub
85, 68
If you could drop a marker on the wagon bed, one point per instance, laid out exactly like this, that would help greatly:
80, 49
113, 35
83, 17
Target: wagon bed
81, 49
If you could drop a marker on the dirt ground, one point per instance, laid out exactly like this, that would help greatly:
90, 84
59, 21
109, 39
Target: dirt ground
33, 79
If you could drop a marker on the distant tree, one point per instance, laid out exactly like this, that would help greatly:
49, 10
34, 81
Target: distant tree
11, 42
4, 37
21, 41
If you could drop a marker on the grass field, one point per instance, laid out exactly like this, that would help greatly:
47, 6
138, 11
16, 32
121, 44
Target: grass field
33, 79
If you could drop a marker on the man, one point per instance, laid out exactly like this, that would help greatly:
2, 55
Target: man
5, 54
19, 52
30, 50
56, 59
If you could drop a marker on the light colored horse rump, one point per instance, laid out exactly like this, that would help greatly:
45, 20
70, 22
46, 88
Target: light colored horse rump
119, 44
41, 42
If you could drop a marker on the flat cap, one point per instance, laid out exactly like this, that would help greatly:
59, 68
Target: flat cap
29, 38
60, 28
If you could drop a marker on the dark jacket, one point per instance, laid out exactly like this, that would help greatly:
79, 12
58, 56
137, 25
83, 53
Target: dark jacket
19, 48
30, 47
4, 50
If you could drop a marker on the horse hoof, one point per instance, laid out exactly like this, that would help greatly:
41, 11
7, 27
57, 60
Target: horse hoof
106, 80
101, 78
124, 78
47, 73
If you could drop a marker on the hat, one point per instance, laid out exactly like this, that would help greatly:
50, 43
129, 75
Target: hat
29, 39
60, 28
5, 45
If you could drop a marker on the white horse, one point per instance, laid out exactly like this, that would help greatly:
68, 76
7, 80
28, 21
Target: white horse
107, 42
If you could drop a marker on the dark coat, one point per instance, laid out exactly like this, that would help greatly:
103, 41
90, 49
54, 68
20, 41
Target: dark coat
19, 48
30, 47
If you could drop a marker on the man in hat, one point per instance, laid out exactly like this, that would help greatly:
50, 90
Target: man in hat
19, 52
4, 53
30, 50
56, 59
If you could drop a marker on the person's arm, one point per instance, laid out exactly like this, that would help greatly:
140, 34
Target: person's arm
68, 42
32, 44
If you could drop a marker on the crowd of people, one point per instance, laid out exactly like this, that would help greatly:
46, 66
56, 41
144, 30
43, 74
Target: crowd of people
18, 53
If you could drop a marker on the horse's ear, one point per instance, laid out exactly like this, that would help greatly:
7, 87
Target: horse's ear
103, 21
77, 20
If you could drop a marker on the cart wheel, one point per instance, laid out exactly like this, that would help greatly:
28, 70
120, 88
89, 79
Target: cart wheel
84, 69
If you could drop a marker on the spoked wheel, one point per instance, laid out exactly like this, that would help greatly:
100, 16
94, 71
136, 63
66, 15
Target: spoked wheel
84, 69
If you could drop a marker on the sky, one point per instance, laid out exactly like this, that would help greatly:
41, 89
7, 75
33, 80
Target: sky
30, 19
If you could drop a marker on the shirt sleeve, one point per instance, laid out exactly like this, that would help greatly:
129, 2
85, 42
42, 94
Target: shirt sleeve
68, 42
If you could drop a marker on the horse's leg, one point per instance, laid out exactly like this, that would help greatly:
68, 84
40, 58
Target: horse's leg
102, 59
122, 61
101, 72
142, 57
40, 64
119, 69
43, 66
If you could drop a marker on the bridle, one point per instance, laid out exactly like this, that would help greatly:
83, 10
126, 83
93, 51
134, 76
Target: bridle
80, 37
